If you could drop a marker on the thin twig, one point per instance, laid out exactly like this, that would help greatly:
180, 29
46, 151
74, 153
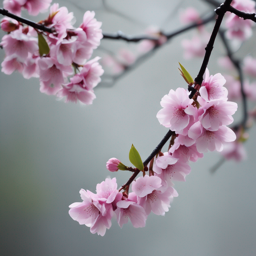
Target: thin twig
208, 50
26, 21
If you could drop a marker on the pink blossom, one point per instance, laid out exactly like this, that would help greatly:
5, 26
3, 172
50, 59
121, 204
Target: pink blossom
63, 51
82, 50
157, 201
9, 25
20, 44
106, 191
234, 151
125, 57
12, 63
250, 90
174, 114
165, 160
61, 20
91, 213
216, 113
129, 209
146, 45
91, 27
185, 153
81, 85
250, 66
145, 185
31, 67
36, 6
52, 74
13, 6
177, 171
226, 63
212, 87
189, 15
195, 47
112, 164
112, 64
237, 27
234, 87
33, 6
210, 140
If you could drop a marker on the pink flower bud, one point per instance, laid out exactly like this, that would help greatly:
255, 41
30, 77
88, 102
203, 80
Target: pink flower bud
9, 25
112, 164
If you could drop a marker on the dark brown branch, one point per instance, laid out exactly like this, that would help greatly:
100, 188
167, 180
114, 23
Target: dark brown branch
121, 36
26, 21
237, 65
151, 156
245, 16
208, 50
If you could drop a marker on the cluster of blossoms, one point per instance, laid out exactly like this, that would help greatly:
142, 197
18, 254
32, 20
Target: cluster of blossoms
199, 125
236, 150
194, 47
56, 55
124, 57
238, 28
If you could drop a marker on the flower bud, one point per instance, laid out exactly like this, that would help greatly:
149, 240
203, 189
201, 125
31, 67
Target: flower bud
112, 164
9, 25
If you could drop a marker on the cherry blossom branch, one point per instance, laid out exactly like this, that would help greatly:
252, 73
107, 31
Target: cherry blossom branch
151, 156
168, 36
237, 65
26, 21
244, 15
121, 36
220, 11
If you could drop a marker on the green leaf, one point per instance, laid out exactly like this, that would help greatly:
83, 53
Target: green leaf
122, 167
135, 158
43, 45
186, 75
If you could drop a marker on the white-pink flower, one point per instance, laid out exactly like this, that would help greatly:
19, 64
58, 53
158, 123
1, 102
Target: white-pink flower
12, 63
91, 213
185, 153
145, 185
234, 151
216, 113
19, 44
250, 66
174, 113
239, 28
129, 209
52, 74
189, 15
210, 140
234, 87
212, 87
158, 201
81, 85
177, 171
91, 27
195, 47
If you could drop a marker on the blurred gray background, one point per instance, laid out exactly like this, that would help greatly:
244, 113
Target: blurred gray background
49, 150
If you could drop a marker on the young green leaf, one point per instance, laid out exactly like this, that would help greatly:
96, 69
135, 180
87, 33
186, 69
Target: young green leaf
186, 75
135, 158
43, 45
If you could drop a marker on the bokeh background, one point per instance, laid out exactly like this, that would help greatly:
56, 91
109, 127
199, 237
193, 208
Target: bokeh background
49, 150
